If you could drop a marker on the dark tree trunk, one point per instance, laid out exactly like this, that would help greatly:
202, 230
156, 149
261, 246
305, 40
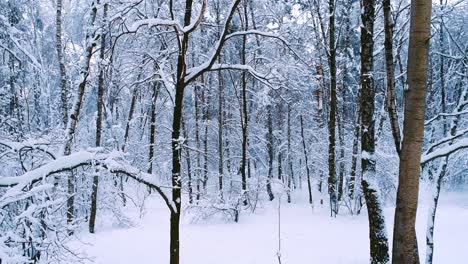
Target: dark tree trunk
290, 165
309, 186
333, 108
99, 103
390, 67
270, 153
73, 120
244, 105
152, 132
63, 76
377, 233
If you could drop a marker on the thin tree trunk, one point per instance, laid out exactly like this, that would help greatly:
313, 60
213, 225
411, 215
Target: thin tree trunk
377, 232
390, 67
205, 135
404, 242
244, 105
152, 133
270, 153
197, 140
290, 165
333, 108
73, 120
63, 76
309, 186
100, 95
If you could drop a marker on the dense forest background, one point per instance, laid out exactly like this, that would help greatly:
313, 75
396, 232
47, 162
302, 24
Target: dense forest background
217, 107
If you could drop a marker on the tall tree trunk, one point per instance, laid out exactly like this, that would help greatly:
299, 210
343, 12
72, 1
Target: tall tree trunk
354, 158
174, 245
220, 133
197, 140
73, 120
220, 117
244, 104
99, 103
390, 67
309, 186
404, 242
333, 108
377, 232
63, 76
290, 164
206, 118
152, 132
270, 153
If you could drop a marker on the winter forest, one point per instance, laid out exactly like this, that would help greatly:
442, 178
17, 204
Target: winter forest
234, 131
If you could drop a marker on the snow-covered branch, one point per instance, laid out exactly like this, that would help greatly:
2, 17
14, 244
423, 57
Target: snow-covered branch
454, 114
158, 22
27, 146
195, 72
445, 151
154, 22
113, 162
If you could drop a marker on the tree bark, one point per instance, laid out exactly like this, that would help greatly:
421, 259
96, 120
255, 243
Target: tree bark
390, 70
270, 153
404, 242
309, 186
152, 132
99, 103
63, 75
73, 120
333, 107
377, 232
244, 105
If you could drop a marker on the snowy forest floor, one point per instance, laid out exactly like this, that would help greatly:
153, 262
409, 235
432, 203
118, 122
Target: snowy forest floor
306, 236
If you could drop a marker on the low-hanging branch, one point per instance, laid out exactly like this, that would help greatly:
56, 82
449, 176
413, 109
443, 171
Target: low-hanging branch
113, 162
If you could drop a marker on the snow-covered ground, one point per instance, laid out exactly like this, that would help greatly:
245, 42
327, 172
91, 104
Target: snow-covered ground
306, 236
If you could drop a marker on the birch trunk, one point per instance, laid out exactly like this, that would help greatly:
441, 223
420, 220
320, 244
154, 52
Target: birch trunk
404, 242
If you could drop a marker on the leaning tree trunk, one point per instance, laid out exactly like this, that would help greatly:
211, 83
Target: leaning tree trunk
404, 242
377, 232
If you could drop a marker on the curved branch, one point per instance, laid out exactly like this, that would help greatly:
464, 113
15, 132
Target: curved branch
79, 159
445, 151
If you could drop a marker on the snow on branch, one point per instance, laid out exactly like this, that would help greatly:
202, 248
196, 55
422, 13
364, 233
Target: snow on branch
454, 114
264, 78
268, 35
113, 162
445, 140
195, 72
190, 28
445, 151
155, 22
29, 145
